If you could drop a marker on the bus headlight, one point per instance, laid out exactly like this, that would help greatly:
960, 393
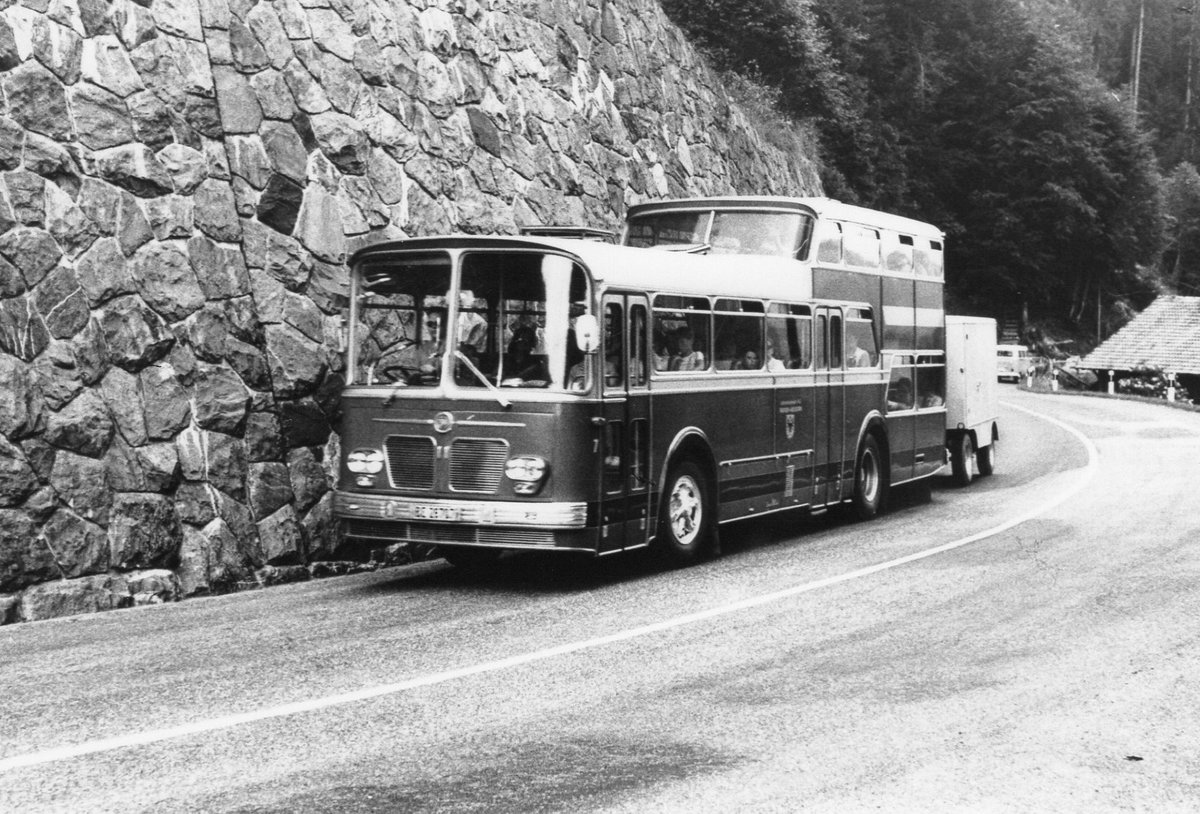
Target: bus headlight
365, 461
527, 473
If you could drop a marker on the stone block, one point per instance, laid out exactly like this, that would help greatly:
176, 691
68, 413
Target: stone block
282, 542
83, 426
80, 483
136, 336
297, 362
307, 477
20, 398
154, 586
135, 168
102, 271
100, 116
222, 400
78, 546
166, 280
38, 101
168, 408
70, 597
33, 251
144, 531
17, 478
150, 468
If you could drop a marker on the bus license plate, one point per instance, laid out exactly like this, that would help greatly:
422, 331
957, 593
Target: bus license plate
446, 514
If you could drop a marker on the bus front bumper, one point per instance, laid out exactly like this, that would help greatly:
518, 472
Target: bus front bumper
566, 516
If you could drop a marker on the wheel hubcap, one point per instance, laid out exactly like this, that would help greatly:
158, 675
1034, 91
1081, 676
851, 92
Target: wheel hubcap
868, 477
685, 510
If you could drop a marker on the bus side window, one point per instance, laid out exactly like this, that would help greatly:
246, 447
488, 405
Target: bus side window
835, 341
931, 382
829, 250
860, 339
900, 394
822, 342
614, 368
637, 346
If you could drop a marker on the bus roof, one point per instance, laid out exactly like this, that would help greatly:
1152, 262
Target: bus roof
821, 207
742, 275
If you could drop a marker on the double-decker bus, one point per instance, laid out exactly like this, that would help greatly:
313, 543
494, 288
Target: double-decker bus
552, 394
843, 253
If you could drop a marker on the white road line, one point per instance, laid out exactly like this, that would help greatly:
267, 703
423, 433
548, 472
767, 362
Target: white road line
315, 704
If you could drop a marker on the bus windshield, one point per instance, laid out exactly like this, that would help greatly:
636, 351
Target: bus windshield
494, 319
771, 233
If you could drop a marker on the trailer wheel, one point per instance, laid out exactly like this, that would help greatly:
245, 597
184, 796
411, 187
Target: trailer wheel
870, 485
985, 458
962, 459
685, 518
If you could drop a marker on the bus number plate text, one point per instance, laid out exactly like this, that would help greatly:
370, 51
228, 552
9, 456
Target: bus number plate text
449, 514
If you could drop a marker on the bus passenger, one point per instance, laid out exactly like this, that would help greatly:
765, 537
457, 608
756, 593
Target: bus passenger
686, 358
749, 361
522, 366
856, 356
774, 363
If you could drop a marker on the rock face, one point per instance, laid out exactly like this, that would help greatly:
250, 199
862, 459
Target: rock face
180, 184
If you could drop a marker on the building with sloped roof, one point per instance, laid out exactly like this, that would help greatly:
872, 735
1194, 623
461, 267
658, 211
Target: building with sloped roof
1165, 336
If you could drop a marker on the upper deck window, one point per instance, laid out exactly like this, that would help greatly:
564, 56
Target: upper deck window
862, 246
741, 231
928, 258
830, 248
897, 253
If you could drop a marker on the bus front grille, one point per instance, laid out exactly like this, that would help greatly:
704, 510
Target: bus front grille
410, 461
404, 532
476, 464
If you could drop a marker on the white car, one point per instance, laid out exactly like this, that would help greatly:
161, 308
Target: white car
1011, 362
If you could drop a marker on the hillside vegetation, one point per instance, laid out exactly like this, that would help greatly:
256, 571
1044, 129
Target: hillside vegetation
1010, 124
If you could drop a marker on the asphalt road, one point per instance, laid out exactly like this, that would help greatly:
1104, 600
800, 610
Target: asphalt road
1029, 643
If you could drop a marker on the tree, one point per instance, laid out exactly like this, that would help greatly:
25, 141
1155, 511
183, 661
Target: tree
1181, 260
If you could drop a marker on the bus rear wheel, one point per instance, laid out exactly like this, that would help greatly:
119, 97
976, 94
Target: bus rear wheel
870, 485
685, 516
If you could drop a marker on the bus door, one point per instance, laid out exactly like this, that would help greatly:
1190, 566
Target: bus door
625, 432
830, 406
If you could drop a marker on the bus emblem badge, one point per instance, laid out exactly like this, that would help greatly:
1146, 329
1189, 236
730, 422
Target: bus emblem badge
790, 425
443, 422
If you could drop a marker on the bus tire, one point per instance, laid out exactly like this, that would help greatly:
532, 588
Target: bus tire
470, 559
985, 458
685, 525
870, 482
962, 459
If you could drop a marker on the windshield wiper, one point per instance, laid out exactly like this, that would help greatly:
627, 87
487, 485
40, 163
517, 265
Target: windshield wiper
505, 403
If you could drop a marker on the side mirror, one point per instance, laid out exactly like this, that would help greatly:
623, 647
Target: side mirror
587, 333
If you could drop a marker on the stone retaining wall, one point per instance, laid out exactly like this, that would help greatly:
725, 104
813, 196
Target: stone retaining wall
181, 182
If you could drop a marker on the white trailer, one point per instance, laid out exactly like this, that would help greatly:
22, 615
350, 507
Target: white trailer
972, 404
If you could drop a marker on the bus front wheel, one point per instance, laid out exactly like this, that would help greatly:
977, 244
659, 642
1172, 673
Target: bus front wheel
685, 519
870, 484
